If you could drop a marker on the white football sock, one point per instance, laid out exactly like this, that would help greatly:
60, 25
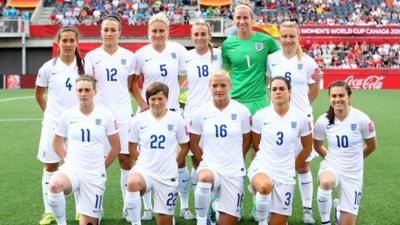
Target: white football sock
324, 199
133, 207
57, 204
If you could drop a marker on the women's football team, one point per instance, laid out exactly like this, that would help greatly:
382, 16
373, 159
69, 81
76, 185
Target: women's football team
88, 122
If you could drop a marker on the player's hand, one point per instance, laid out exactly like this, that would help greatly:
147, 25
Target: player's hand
143, 107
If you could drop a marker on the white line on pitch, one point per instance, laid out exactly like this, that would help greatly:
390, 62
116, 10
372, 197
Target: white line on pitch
15, 98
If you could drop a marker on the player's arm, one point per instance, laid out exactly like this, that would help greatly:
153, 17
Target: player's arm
133, 150
114, 150
255, 139
195, 148
306, 142
134, 88
40, 99
246, 143
58, 146
313, 89
180, 158
319, 148
370, 146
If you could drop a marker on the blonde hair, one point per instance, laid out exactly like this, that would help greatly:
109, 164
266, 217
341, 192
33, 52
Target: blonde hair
161, 17
220, 73
202, 22
292, 24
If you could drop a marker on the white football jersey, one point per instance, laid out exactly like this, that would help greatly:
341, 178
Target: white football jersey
198, 69
346, 140
59, 79
279, 138
86, 137
298, 72
157, 141
163, 67
112, 72
222, 136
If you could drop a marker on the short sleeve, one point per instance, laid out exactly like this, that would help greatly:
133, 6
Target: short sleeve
273, 45
182, 133
62, 124
111, 125
139, 62
89, 65
182, 58
132, 65
367, 127
226, 63
306, 127
196, 124
319, 129
134, 130
311, 66
256, 123
246, 120
42, 79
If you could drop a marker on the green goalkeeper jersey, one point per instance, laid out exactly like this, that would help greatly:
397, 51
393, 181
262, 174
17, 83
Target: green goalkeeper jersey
246, 61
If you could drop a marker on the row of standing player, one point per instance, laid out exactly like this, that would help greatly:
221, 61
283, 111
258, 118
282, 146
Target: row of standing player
243, 20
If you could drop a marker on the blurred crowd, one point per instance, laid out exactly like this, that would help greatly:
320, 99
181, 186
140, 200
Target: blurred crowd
359, 55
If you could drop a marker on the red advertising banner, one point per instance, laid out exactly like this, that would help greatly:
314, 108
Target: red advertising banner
357, 31
364, 78
175, 30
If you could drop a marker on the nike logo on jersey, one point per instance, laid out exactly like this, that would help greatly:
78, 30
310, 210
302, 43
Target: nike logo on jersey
72, 122
328, 127
97, 62
146, 60
142, 127
266, 123
53, 73
184, 181
304, 183
274, 64
188, 61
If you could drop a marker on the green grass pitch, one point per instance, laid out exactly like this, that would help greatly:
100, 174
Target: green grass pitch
20, 172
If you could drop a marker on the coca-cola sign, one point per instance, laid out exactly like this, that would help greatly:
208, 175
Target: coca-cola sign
364, 79
370, 82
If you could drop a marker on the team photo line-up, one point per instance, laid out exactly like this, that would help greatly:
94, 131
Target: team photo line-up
89, 121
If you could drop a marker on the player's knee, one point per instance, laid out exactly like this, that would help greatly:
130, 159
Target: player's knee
205, 176
55, 186
134, 182
326, 184
264, 188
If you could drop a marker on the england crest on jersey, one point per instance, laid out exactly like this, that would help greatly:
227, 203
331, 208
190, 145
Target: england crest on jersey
353, 126
233, 116
214, 57
259, 46
123, 62
98, 121
170, 127
173, 54
294, 124
300, 66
